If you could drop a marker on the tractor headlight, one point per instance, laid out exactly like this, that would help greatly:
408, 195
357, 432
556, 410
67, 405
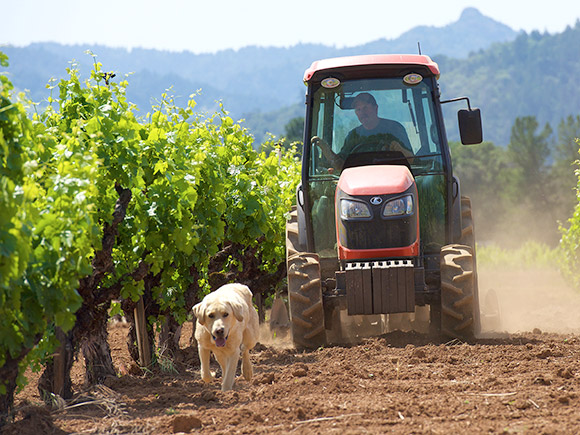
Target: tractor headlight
350, 209
399, 207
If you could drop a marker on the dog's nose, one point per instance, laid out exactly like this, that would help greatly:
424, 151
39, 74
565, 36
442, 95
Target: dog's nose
219, 332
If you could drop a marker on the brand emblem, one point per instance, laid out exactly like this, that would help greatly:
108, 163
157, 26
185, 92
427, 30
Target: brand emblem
330, 82
413, 78
376, 200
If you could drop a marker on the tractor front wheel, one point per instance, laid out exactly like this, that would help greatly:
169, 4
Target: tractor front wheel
305, 301
304, 290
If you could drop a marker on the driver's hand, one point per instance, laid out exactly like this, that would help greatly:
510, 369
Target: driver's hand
317, 141
396, 146
327, 151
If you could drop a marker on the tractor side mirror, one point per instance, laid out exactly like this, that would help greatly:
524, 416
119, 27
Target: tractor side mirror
470, 128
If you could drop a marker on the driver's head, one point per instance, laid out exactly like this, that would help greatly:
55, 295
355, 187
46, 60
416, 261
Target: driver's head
366, 109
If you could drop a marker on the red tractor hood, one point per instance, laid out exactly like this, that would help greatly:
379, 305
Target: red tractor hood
377, 237
375, 180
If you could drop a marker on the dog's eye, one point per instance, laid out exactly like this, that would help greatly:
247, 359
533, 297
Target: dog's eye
211, 316
226, 314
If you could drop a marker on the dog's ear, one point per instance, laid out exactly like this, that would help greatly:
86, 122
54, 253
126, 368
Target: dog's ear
199, 312
238, 310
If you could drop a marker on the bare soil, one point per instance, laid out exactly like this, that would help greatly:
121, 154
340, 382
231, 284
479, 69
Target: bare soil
522, 378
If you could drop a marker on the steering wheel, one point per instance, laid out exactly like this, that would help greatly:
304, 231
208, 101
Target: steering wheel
383, 145
369, 147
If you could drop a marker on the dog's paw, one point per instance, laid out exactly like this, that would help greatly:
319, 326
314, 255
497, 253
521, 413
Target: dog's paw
227, 386
247, 372
208, 377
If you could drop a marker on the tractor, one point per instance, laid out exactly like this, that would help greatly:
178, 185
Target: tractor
380, 227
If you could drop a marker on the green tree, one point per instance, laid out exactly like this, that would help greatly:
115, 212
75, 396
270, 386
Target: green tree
529, 153
484, 173
506, 185
47, 225
565, 162
566, 150
291, 142
570, 242
294, 130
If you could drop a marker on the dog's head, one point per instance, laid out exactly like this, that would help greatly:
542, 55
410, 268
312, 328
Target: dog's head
218, 317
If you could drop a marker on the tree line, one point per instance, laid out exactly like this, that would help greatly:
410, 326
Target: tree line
526, 190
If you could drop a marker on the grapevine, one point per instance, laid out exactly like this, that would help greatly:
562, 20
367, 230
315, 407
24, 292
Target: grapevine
100, 203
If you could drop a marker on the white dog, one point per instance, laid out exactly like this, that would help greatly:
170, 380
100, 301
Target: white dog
227, 324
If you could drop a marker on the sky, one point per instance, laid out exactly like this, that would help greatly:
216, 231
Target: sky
209, 26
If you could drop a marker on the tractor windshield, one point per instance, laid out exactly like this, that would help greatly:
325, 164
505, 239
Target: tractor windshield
375, 121
370, 116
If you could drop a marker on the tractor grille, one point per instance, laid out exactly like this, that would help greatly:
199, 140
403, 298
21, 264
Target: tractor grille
379, 233
376, 231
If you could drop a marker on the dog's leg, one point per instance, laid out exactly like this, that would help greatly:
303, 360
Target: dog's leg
247, 370
229, 370
223, 361
204, 355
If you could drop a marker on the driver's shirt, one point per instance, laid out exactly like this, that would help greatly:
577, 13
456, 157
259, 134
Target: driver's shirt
378, 138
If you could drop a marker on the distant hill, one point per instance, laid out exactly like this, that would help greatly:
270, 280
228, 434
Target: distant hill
472, 32
261, 84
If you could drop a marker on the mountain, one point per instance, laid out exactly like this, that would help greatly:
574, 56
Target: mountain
261, 84
472, 32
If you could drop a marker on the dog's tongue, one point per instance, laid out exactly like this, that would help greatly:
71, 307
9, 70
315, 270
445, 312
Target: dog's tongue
220, 342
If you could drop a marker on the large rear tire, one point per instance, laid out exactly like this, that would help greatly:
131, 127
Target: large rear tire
458, 292
468, 238
467, 228
304, 291
292, 239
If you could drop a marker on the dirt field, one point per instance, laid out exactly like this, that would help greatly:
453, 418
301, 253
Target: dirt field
523, 379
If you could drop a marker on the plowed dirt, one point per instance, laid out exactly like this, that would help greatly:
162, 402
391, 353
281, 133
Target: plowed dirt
522, 378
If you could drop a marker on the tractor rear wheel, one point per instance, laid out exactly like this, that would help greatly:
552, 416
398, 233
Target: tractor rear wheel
458, 292
467, 228
304, 290
468, 238
292, 239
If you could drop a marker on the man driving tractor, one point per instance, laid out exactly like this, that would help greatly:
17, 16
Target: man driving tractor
374, 134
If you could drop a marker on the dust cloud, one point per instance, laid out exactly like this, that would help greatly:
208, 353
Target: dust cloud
527, 300
277, 338
531, 299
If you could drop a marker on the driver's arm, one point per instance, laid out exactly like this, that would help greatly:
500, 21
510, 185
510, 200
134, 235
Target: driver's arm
330, 155
397, 146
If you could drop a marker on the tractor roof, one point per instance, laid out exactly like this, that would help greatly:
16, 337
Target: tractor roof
371, 61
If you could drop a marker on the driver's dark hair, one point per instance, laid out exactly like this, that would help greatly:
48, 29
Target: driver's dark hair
365, 97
